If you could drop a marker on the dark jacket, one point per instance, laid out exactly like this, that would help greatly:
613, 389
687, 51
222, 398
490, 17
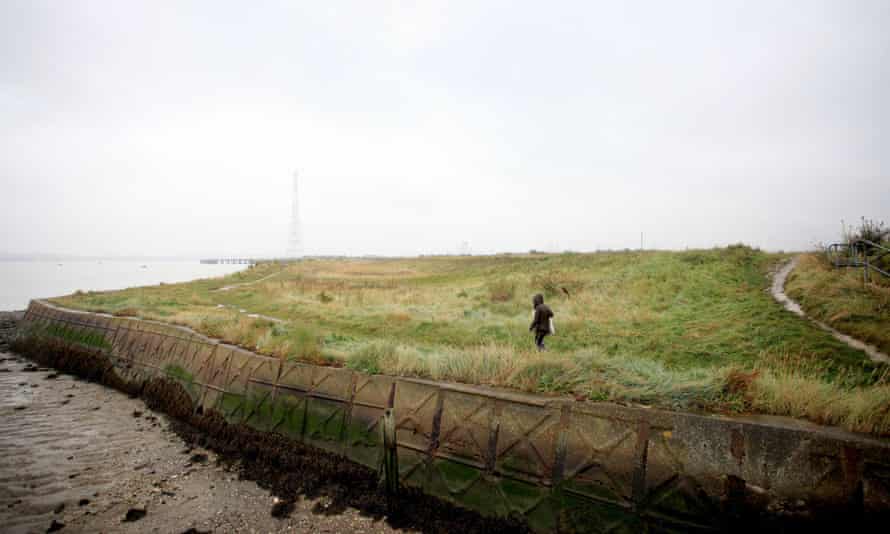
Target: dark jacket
543, 314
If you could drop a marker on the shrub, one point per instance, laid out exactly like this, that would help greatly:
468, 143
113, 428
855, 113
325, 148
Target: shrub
738, 385
212, 326
373, 359
501, 291
697, 257
306, 346
740, 254
556, 283
869, 230
398, 318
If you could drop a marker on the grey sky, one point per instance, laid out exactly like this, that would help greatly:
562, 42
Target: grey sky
171, 128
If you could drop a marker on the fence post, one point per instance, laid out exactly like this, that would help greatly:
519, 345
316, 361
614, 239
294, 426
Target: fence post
865, 269
390, 454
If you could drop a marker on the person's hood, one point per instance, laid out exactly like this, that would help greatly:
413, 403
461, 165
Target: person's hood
538, 300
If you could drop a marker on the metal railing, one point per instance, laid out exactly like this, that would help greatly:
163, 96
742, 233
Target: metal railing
860, 253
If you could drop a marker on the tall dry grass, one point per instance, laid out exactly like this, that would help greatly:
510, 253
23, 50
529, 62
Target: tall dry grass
688, 330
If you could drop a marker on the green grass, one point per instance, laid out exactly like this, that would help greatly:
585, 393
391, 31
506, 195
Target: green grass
683, 330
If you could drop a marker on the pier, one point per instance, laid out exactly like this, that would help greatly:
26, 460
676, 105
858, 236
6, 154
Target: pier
237, 261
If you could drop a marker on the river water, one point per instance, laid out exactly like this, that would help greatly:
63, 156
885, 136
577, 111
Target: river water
21, 281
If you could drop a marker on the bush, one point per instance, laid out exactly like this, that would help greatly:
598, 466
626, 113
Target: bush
372, 359
697, 257
740, 254
212, 326
306, 346
875, 232
869, 230
557, 283
501, 291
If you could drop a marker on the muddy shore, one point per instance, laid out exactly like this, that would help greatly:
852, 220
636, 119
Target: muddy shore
77, 456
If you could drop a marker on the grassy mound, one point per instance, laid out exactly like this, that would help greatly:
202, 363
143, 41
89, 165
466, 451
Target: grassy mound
691, 330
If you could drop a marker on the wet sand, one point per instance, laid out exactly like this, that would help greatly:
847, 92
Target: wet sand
82, 457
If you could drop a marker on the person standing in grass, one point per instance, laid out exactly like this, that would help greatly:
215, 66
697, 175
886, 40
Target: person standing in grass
542, 321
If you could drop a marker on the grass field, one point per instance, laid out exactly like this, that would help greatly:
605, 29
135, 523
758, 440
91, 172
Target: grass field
691, 330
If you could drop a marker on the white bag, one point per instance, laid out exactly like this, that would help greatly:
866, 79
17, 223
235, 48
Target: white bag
552, 328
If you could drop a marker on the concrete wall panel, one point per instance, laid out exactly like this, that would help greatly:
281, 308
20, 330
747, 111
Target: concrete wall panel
324, 423
212, 376
602, 456
332, 383
363, 440
242, 365
415, 408
289, 405
259, 409
555, 462
527, 439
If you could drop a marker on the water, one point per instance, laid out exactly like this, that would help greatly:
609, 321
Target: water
21, 281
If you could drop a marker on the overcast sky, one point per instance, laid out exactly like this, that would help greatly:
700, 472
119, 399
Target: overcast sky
173, 128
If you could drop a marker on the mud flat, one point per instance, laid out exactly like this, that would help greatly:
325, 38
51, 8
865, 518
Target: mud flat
549, 463
76, 455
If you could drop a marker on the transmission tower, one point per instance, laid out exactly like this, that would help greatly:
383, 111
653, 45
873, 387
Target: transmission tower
295, 236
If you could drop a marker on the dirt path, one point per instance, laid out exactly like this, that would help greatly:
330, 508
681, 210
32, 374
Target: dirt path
778, 292
84, 458
246, 312
244, 284
252, 315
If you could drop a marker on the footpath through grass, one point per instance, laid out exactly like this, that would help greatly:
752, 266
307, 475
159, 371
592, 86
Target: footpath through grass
682, 330
841, 299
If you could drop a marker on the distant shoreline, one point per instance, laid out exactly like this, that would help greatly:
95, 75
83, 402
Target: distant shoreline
24, 280
49, 258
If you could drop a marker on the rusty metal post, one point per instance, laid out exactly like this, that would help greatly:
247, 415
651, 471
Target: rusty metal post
494, 430
199, 404
114, 337
641, 454
435, 433
560, 446
560, 453
390, 454
346, 422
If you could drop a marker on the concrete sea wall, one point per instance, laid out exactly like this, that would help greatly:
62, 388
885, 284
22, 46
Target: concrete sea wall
559, 464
